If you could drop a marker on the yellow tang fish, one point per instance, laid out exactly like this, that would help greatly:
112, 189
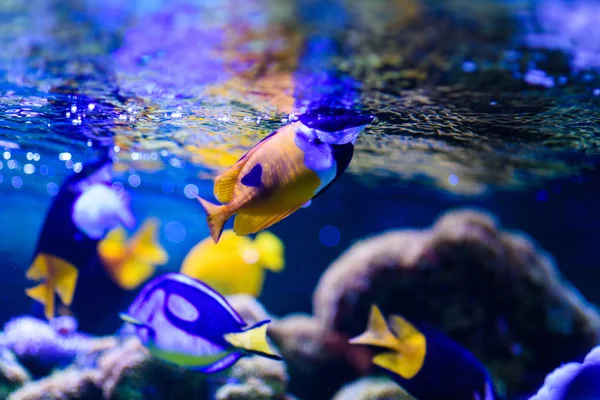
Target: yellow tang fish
284, 171
236, 264
131, 262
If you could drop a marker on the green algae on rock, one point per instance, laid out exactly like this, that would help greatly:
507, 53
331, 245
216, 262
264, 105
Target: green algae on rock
493, 291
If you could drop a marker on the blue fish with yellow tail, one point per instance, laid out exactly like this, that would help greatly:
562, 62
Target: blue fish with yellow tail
284, 171
183, 321
426, 363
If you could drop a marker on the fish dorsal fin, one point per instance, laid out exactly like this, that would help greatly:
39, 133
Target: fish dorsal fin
145, 246
377, 333
65, 279
112, 248
270, 248
45, 295
399, 363
246, 223
253, 340
39, 267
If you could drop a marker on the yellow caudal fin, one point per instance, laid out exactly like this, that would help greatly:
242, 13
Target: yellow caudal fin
413, 343
145, 246
112, 249
246, 223
377, 333
65, 279
225, 183
132, 273
216, 216
39, 267
399, 363
270, 248
44, 294
253, 340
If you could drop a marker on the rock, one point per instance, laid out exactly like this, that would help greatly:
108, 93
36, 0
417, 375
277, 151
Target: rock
38, 346
128, 372
12, 374
493, 291
557, 382
372, 389
319, 361
69, 384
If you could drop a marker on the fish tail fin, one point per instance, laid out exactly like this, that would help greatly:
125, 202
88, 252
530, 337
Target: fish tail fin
39, 267
146, 246
377, 333
270, 248
254, 340
216, 216
65, 280
132, 273
44, 294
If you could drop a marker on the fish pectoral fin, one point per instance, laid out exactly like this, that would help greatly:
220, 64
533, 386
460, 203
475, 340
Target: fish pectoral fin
133, 273
399, 363
44, 294
39, 267
246, 223
377, 333
129, 319
270, 248
253, 340
146, 247
65, 279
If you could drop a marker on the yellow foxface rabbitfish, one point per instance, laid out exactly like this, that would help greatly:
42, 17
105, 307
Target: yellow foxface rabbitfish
236, 264
425, 362
131, 262
185, 322
284, 171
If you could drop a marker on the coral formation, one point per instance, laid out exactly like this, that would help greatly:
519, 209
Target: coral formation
372, 389
493, 291
319, 360
67, 384
12, 374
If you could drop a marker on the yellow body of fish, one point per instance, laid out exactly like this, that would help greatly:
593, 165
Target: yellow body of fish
131, 262
236, 264
286, 184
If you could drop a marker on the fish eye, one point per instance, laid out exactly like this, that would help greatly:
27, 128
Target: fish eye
182, 308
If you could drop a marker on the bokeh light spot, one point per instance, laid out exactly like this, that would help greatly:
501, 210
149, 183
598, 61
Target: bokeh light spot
175, 231
329, 236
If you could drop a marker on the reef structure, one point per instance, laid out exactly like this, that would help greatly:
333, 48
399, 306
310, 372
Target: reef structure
494, 291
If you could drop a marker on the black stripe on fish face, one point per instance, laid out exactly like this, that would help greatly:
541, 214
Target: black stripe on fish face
253, 178
334, 120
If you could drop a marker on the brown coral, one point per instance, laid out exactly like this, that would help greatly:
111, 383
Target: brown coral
493, 291
63, 385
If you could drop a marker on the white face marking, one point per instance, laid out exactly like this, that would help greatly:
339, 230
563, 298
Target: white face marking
340, 137
99, 209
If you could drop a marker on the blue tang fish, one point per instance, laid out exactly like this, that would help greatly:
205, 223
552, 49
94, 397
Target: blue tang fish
284, 171
426, 363
66, 264
183, 321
